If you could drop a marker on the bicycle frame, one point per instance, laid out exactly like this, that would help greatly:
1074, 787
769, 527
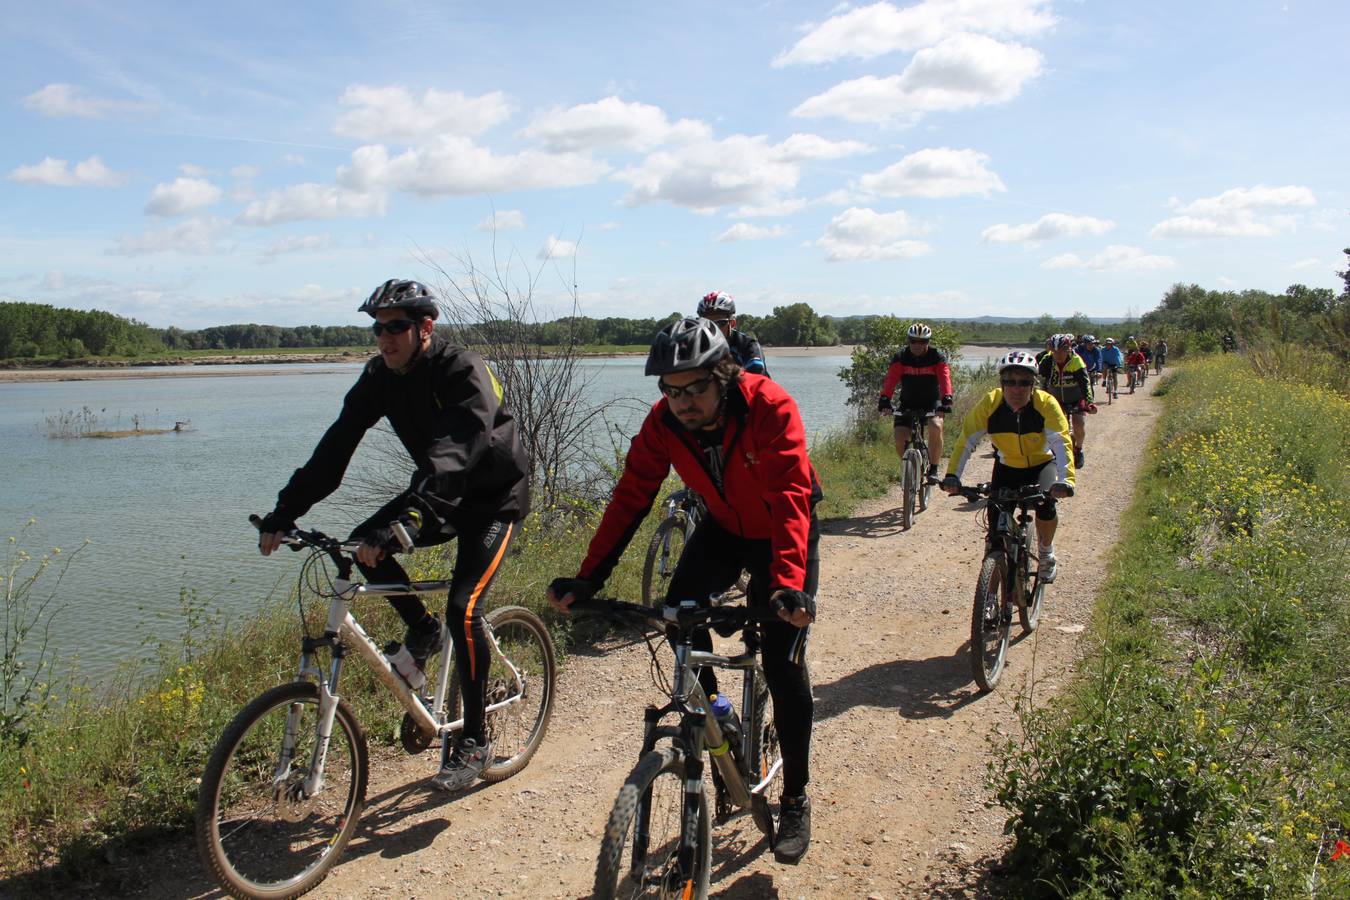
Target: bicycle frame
1008, 532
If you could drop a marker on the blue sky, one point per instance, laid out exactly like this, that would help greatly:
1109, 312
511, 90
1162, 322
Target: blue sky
191, 165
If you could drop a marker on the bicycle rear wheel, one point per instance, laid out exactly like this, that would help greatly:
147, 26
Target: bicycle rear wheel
663, 554
909, 486
765, 753
639, 854
257, 833
990, 622
522, 675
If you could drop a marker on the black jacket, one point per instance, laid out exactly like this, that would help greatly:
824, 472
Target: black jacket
448, 411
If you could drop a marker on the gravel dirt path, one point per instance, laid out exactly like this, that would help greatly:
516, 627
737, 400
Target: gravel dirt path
901, 734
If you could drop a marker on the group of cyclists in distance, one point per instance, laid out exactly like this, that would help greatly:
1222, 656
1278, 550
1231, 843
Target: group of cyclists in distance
727, 429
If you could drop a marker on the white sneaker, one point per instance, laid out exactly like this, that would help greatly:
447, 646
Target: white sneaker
1048, 566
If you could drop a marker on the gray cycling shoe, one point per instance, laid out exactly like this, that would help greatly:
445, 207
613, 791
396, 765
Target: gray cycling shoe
463, 766
1048, 567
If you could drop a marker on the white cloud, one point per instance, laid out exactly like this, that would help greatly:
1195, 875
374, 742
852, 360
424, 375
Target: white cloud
739, 170
1309, 263
59, 173
180, 196
392, 114
502, 220
196, 235
557, 248
195, 171
881, 28
1046, 228
455, 165
964, 70
1235, 213
773, 209
312, 201
611, 123
296, 243
935, 172
864, 234
63, 100
1115, 258
744, 231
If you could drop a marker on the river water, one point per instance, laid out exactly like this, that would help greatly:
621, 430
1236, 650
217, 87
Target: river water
166, 515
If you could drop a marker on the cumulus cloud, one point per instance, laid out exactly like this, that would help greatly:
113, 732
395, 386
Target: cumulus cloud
393, 114
1310, 263
1238, 212
1115, 258
865, 234
296, 243
935, 172
611, 122
312, 201
502, 220
192, 170
67, 100
1046, 228
881, 28
180, 196
557, 248
59, 173
744, 231
739, 170
197, 235
455, 165
964, 70
785, 207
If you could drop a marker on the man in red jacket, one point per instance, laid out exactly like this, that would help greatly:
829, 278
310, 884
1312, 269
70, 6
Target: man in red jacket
738, 440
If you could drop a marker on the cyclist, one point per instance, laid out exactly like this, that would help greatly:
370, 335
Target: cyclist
719, 307
1031, 440
1160, 354
925, 382
1112, 360
1145, 349
1050, 343
736, 439
471, 481
1090, 352
1229, 343
1064, 377
1134, 360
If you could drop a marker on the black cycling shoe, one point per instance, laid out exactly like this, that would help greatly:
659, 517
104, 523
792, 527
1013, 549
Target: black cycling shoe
794, 829
1077, 459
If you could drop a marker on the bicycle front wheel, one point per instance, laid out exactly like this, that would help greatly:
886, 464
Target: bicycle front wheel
910, 487
1030, 615
258, 832
520, 684
663, 553
990, 622
639, 854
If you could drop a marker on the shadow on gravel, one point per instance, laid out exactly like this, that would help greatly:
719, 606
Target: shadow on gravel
733, 852
878, 525
918, 688
754, 886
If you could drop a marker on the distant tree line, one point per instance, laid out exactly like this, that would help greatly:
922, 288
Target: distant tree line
266, 337
29, 330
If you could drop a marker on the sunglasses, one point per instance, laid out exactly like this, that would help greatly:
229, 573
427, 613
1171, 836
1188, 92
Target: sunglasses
692, 389
1016, 382
396, 326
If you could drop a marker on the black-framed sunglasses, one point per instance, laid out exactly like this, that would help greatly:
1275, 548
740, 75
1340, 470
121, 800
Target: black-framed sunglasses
394, 326
692, 389
1017, 382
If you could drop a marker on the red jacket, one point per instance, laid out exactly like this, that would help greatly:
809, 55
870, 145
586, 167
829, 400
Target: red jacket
769, 483
924, 380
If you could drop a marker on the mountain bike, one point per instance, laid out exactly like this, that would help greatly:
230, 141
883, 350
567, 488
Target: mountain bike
1006, 580
286, 783
1158, 360
684, 509
658, 841
916, 488
1109, 377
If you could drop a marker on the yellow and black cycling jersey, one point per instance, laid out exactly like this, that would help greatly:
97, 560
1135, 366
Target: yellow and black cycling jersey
1036, 434
1069, 383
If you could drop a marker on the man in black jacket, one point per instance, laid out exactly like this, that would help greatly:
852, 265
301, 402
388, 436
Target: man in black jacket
471, 482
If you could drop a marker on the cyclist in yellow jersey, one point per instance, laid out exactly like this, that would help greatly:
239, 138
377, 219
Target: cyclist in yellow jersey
1031, 445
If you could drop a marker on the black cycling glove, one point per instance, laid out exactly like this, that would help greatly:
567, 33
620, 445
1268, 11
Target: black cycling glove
384, 537
790, 601
277, 520
581, 589
884, 405
946, 405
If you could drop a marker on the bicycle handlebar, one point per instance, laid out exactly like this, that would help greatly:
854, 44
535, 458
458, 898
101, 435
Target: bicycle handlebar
1025, 494
298, 539
685, 617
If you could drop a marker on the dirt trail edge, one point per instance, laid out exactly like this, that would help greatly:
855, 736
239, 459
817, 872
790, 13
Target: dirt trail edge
900, 748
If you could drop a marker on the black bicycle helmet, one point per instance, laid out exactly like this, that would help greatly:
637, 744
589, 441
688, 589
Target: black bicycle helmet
412, 296
687, 344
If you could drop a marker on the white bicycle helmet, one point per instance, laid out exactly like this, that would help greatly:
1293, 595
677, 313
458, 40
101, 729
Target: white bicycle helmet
920, 332
717, 302
1018, 359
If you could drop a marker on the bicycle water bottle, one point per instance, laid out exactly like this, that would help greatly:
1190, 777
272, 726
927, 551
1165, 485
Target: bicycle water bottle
404, 664
729, 722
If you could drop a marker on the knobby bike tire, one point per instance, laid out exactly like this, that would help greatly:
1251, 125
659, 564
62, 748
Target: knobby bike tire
909, 488
516, 731
765, 750
989, 626
258, 842
668, 541
1029, 616
652, 796
925, 486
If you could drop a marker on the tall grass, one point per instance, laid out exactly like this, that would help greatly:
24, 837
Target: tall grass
1205, 751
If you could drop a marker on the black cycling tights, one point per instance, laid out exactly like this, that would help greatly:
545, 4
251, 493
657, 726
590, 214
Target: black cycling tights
711, 564
482, 547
